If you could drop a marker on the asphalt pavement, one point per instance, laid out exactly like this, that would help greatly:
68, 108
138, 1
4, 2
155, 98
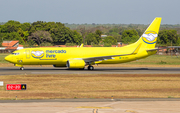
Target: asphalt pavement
91, 106
97, 70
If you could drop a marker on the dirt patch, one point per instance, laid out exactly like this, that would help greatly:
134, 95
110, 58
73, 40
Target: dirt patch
139, 90
93, 86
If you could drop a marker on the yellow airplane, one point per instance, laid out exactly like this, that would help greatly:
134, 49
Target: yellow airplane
80, 57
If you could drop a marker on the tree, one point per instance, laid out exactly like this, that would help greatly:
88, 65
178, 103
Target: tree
31, 43
1, 41
23, 34
98, 35
109, 40
32, 30
62, 35
40, 37
178, 41
25, 26
91, 39
10, 26
77, 37
129, 36
114, 30
117, 37
84, 32
168, 37
13, 36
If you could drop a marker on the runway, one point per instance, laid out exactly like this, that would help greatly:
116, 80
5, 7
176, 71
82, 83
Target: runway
164, 105
80, 106
97, 70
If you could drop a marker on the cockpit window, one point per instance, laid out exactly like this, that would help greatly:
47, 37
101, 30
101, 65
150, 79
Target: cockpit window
15, 53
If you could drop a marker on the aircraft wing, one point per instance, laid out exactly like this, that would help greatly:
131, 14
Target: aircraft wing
100, 58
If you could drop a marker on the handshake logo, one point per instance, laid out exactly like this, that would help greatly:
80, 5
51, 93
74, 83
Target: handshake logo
149, 37
37, 53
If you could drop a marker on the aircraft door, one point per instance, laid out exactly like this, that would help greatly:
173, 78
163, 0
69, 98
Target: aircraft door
27, 54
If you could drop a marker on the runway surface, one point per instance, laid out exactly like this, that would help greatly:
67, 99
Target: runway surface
97, 70
168, 105
77, 106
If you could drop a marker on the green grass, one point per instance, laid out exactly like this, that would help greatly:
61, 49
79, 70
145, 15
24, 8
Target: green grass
2, 56
158, 60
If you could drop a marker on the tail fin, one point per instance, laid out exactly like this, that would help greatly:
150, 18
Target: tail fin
149, 37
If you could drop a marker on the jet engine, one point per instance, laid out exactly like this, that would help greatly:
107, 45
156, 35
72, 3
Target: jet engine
74, 63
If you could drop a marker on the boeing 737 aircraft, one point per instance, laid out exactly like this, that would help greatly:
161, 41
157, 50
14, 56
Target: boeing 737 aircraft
80, 57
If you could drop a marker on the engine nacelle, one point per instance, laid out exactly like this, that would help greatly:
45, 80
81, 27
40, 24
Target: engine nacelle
74, 63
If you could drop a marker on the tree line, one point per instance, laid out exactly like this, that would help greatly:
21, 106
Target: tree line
55, 33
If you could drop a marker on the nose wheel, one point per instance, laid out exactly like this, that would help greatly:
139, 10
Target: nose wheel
22, 68
90, 68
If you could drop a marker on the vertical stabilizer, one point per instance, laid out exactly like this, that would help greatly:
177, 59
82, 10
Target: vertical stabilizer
149, 37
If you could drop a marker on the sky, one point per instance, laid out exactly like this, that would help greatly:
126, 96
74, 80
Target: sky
91, 11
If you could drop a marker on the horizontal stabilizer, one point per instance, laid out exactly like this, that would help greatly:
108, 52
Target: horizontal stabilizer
157, 49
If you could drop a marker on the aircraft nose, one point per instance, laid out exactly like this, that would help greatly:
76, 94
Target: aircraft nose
8, 58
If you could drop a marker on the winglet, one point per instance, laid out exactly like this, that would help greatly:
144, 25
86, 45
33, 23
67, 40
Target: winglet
82, 45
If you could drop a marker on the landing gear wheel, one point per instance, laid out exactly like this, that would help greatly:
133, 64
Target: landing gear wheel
90, 68
22, 68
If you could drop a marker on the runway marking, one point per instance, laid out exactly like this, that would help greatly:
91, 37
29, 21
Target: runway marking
131, 111
93, 107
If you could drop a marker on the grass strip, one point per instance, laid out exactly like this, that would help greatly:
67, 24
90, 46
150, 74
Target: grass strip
63, 86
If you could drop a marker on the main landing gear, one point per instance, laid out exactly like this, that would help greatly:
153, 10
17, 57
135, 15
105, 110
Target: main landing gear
21, 68
90, 67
